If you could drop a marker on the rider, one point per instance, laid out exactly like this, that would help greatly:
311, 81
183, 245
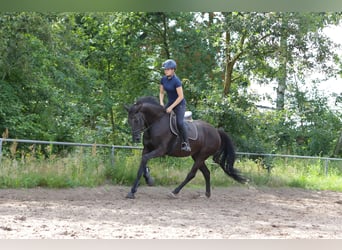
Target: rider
172, 85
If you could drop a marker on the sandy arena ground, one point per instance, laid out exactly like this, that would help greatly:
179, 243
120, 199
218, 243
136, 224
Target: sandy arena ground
105, 213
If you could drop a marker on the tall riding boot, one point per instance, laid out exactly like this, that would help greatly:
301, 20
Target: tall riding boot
185, 140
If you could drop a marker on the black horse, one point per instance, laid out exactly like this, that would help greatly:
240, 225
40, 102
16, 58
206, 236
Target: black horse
147, 116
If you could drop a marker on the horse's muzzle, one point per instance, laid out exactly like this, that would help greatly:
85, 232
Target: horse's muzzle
136, 137
137, 140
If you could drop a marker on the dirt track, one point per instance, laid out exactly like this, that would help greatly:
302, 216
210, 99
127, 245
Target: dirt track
104, 212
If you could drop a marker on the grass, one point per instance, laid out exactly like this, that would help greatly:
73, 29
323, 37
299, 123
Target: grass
88, 167
77, 169
301, 173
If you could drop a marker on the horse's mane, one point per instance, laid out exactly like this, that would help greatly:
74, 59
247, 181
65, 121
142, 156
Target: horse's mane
148, 99
151, 101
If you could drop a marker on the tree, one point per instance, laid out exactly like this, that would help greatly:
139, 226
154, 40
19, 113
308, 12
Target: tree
300, 47
338, 147
66, 76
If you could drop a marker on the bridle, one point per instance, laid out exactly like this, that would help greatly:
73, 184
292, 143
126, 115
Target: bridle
145, 126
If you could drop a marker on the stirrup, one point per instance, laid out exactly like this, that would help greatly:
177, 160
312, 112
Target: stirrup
185, 147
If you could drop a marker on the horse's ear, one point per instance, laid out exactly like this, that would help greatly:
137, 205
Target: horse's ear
127, 107
139, 106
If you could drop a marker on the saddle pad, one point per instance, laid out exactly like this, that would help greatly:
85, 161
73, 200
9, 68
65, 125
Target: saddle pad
189, 126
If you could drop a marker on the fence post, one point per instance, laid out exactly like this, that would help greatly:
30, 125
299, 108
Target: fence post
0, 149
112, 156
326, 167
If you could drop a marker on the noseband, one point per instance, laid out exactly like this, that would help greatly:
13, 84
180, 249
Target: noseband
141, 118
145, 126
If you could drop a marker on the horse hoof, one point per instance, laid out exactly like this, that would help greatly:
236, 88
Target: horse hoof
130, 195
172, 195
207, 194
150, 182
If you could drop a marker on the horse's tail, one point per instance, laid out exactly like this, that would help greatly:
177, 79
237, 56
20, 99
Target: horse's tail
225, 157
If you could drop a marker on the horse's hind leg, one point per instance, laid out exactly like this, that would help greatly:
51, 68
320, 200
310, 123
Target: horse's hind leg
206, 173
188, 178
199, 164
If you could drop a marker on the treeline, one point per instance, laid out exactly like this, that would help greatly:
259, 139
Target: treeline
66, 76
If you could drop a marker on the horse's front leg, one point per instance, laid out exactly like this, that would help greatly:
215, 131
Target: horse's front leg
142, 169
148, 178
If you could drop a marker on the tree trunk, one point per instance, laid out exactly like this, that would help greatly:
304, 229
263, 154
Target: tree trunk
228, 77
165, 37
281, 89
112, 122
229, 67
338, 148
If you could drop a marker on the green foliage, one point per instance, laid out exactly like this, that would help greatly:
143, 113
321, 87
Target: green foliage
66, 76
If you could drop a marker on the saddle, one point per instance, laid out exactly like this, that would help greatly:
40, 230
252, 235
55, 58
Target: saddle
188, 125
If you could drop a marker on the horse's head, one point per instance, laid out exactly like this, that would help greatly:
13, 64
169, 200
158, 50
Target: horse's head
136, 121
143, 114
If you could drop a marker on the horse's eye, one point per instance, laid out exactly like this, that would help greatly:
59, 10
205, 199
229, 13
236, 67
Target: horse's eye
136, 120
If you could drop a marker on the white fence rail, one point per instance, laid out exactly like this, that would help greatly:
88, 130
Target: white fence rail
326, 160
112, 147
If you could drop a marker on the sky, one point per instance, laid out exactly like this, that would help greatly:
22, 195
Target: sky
335, 85
325, 87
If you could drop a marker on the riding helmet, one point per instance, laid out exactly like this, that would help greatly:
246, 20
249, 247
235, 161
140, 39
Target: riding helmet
169, 64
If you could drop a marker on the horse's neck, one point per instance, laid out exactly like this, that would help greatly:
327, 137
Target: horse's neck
152, 113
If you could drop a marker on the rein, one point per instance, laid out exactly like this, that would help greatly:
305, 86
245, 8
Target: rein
145, 128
